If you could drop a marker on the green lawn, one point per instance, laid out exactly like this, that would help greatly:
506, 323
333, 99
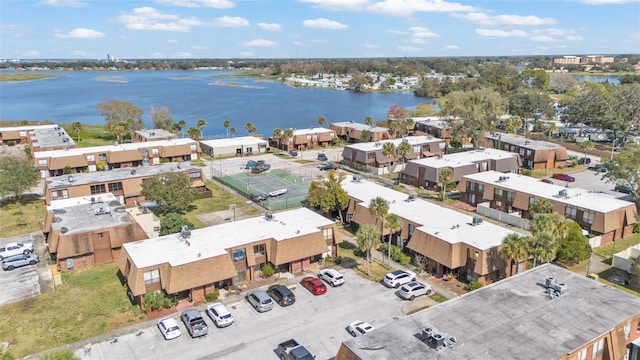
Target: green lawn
88, 303
220, 200
90, 135
24, 77
606, 251
22, 219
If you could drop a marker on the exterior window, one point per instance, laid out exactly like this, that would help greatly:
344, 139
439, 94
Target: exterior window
371, 155
193, 147
115, 186
481, 188
498, 203
570, 212
151, 277
97, 189
194, 176
588, 216
42, 162
471, 186
238, 255
250, 150
510, 195
532, 200
598, 349
154, 151
582, 355
627, 331
328, 234
506, 147
60, 194
102, 156
144, 152
521, 152
100, 235
260, 250
411, 229
23, 133
472, 199
497, 193
91, 158
529, 153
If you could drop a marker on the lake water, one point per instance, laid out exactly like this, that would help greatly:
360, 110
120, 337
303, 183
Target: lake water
192, 95
600, 78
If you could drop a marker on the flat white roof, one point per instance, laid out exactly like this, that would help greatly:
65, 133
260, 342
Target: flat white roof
215, 240
28, 127
360, 126
151, 133
435, 121
581, 198
79, 215
312, 130
523, 141
242, 140
413, 140
436, 220
463, 158
112, 148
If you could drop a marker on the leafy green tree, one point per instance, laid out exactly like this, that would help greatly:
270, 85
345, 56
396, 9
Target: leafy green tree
77, 127
529, 103
322, 120
328, 195
171, 223
365, 136
445, 180
367, 238
392, 224
227, 124
537, 79
591, 106
563, 83
201, 124
516, 249
171, 191
194, 133
624, 170
399, 123
543, 247
574, 247
541, 206
232, 131
17, 175
551, 128
587, 146
389, 150
625, 112
500, 83
368, 120
513, 124
550, 223
117, 112
161, 118
250, 128
404, 148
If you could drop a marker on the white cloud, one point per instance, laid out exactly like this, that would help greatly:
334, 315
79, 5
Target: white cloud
322, 23
216, 4
352, 5
408, 48
418, 41
542, 38
65, 3
608, 2
485, 19
369, 46
227, 21
79, 33
422, 32
500, 33
451, 47
300, 43
260, 43
405, 8
269, 27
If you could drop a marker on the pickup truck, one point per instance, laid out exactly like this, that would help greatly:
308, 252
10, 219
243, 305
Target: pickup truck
291, 350
15, 248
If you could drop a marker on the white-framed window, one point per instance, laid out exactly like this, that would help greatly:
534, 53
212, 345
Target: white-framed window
42, 162
259, 250
23, 133
627, 331
472, 199
327, 233
570, 212
60, 194
598, 349
154, 151
238, 255
532, 200
91, 158
521, 152
471, 186
588, 217
529, 152
193, 147
481, 188
151, 277
497, 193
582, 354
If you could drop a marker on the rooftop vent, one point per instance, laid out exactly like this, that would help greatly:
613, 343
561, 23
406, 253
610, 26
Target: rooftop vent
133, 171
185, 233
503, 178
477, 220
71, 179
102, 211
412, 197
563, 193
440, 156
554, 289
357, 178
437, 341
64, 230
268, 215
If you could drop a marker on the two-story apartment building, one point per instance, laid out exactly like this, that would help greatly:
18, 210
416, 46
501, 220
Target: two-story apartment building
303, 139
535, 154
38, 137
352, 131
196, 262
599, 213
451, 241
86, 231
235, 146
57, 162
125, 183
439, 127
147, 135
425, 172
369, 156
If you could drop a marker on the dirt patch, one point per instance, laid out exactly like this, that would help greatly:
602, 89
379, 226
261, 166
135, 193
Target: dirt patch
223, 216
16, 151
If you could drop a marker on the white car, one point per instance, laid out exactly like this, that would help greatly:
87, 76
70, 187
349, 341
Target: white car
358, 328
15, 248
169, 328
332, 277
220, 315
399, 277
411, 290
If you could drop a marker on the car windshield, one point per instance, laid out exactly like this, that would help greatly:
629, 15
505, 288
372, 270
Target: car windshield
173, 328
225, 316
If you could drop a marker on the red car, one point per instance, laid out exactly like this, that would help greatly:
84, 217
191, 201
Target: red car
315, 285
564, 177
548, 181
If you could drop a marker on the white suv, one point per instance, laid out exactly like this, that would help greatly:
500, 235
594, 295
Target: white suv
15, 248
399, 277
411, 290
220, 315
332, 277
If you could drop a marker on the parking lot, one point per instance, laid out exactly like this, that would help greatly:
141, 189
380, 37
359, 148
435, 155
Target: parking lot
317, 322
592, 180
27, 281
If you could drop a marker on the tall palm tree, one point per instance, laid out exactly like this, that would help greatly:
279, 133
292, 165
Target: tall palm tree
181, 125
379, 208
368, 120
515, 247
543, 246
404, 148
227, 125
445, 178
322, 120
551, 129
194, 133
288, 135
232, 131
368, 238
201, 124
250, 128
393, 225
389, 150
77, 127
541, 206
275, 137
587, 146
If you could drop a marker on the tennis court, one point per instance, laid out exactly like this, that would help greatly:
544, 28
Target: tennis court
274, 190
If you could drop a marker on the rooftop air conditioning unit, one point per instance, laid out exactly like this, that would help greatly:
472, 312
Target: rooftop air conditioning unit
503, 178
185, 233
133, 171
357, 178
412, 197
477, 220
563, 193
268, 215
71, 179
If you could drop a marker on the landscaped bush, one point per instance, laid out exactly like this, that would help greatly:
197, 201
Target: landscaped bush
396, 255
636, 228
267, 270
359, 253
474, 285
212, 296
158, 301
525, 172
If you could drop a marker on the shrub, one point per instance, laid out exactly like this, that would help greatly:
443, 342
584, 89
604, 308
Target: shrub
636, 228
397, 255
359, 253
212, 296
474, 285
10, 143
267, 270
525, 172
157, 300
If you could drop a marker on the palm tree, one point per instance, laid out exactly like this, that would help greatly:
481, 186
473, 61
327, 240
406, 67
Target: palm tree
201, 124
250, 128
445, 177
587, 146
275, 138
288, 135
368, 238
227, 125
194, 133
389, 149
551, 128
404, 148
541, 206
322, 120
77, 127
232, 131
393, 225
379, 208
180, 125
119, 131
515, 247
368, 120
543, 247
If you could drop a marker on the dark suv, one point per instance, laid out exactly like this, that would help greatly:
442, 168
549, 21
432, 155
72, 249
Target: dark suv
322, 157
282, 295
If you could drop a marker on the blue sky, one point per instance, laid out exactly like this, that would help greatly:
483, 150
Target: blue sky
135, 29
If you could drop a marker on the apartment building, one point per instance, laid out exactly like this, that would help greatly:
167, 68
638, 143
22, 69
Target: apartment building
147, 135
351, 132
235, 146
194, 263
535, 154
38, 137
303, 139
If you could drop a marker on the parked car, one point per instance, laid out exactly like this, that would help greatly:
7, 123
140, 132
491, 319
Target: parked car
358, 328
313, 284
16, 261
322, 157
598, 168
293, 153
399, 277
548, 181
250, 164
194, 323
327, 166
258, 168
563, 177
219, 314
292, 350
623, 188
281, 294
413, 289
584, 160
15, 248
260, 300
169, 328
332, 277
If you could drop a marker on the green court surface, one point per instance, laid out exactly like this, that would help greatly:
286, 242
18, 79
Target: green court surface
274, 190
